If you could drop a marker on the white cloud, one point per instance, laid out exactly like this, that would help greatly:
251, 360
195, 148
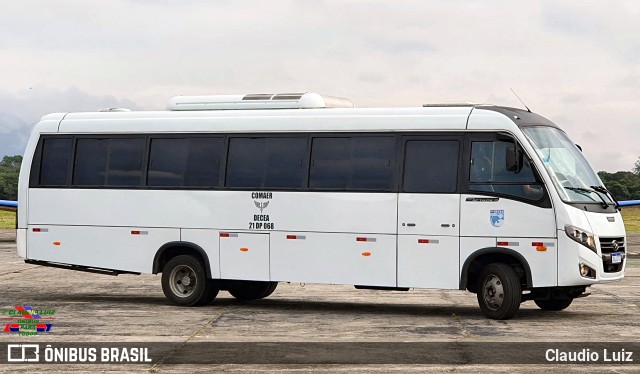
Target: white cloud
574, 62
18, 113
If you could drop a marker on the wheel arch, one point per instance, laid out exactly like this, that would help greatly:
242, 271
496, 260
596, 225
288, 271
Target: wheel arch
473, 264
172, 249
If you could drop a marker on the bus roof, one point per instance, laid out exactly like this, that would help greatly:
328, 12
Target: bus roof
286, 113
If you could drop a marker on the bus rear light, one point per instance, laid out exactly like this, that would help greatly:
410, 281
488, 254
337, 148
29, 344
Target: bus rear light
503, 244
138, 232
38, 229
508, 244
294, 237
362, 239
228, 235
428, 241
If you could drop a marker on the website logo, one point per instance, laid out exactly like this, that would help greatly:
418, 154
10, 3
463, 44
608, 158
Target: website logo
24, 320
23, 353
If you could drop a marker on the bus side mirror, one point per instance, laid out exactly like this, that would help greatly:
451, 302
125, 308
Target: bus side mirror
579, 147
513, 159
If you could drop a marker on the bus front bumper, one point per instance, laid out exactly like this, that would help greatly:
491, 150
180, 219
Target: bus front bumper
572, 255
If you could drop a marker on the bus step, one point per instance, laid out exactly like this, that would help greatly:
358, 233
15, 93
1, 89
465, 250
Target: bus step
380, 288
85, 269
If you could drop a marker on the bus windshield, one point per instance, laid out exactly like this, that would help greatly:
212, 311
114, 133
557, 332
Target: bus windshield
570, 172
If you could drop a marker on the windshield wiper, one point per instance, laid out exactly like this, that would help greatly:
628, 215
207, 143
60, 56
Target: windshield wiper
603, 189
586, 192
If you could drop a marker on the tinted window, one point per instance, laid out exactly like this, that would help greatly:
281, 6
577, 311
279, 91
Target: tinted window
352, 163
431, 166
277, 162
54, 167
185, 162
125, 162
91, 162
488, 172
115, 162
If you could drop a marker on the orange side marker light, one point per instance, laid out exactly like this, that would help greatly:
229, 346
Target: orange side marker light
366, 254
56, 243
244, 249
540, 247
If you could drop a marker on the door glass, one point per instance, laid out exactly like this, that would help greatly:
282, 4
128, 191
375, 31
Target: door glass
431, 166
488, 172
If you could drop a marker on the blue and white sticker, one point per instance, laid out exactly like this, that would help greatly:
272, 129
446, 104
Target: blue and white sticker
497, 217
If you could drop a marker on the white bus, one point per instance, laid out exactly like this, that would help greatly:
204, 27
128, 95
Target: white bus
238, 193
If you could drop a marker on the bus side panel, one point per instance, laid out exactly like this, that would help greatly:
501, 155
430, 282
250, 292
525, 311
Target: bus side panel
21, 242
541, 254
542, 263
358, 259
224, 210
244, 256
515, 225
469, 245
118, 248
428, 261
208, 241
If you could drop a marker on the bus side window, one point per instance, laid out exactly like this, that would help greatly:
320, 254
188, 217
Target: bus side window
488, 172
54, 167
431, 166
109, 162
91, 162
267, 162
185, 162
354, 163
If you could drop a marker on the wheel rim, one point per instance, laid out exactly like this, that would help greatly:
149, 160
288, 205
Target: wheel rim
493, 292
182, 281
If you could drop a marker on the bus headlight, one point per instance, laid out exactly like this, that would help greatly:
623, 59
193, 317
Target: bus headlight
581, 236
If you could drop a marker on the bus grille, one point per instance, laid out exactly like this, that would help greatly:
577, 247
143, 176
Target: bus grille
609, 246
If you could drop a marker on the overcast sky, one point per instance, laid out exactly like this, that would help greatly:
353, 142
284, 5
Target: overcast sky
574, 62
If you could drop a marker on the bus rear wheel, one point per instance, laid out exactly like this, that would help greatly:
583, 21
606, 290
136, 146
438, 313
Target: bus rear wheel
499, 291
554, 304
252, 290
185, 283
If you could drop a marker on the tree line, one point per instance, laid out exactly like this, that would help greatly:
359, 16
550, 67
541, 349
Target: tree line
9, 171
624, 185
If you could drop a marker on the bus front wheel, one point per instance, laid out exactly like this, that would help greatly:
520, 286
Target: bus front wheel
252, 290
499, 291
185, 283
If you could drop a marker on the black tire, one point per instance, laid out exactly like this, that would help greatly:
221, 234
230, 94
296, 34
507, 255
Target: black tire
210, 293
252, 290
185, 283
499, 291
554, 305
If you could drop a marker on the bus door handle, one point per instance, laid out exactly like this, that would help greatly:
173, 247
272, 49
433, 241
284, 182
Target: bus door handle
410, 224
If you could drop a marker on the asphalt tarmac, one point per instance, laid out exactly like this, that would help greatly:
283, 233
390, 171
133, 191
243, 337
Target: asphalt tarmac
307, 328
